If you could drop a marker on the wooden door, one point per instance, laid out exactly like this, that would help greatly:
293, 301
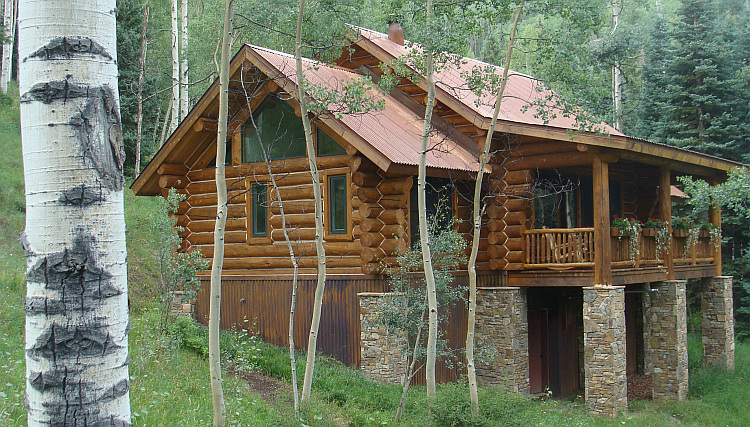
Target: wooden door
538, 351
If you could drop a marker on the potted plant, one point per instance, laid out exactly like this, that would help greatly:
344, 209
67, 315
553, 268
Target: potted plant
624, 227
652, 227
682, 227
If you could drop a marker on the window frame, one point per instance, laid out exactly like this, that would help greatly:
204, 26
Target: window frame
327, 214
252, 239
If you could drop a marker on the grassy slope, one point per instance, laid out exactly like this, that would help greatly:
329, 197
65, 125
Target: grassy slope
169, 379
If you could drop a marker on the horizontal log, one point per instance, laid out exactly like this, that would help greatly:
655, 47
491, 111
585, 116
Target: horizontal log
524, 176
203, 123
182, 208
497, 251
208, 226
293, 193
370, 224
496, 225
208, 237
369, 210
559, 161
537, 148
395, 186
233, 197
181, 220
293, 207
206, 187
515, 256
368, 195
515, 218
362, 164
173, 181
395, 201
394, 247
280, 249
294, 234
172, 169
165, 192
496, 212
209, 212
392, 230
497, 263
393, 216
372, 268
366, 179
370, 255
516, 243
284, 262
514, 230
371, 240
289, 271
277, 167
497, 238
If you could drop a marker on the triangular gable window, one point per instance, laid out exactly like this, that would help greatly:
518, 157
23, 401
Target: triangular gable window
279, 132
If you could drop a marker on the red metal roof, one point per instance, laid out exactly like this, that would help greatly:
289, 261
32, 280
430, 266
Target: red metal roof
522, 93
394, 131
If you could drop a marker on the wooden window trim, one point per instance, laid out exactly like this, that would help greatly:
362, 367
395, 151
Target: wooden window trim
327, 235
256, 240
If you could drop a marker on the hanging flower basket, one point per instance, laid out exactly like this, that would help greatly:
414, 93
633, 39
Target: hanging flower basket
650, 232
618, 232
680, 233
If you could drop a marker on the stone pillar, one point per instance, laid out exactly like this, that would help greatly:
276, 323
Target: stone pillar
606, 384
502, 333
648, 364
668, 343
718, 322
382, 352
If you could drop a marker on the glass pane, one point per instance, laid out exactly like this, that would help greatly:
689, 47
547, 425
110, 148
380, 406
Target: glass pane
260, 223
337, 204
327, 146
278, 129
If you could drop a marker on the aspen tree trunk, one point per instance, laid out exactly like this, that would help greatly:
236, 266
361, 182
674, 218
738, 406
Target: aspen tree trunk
214, 356
141, 72
175, 105
165, 126
10, 14
184, 65
429, 276
312, 340
478, 211
76, 301
616, 71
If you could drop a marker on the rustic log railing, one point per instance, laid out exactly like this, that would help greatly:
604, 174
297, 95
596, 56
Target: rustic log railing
559, 248
563, 248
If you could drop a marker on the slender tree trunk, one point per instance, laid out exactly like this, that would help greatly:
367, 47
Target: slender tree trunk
175, 105
76, 301
312, 340
184, 65
217, 390
478, 211
616, 71
166, 124
429, 276
141, 72
9, 22
409, 375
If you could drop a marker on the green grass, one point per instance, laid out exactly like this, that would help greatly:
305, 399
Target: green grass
169, 374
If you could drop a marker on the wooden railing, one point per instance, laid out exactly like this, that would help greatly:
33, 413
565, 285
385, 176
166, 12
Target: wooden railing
562, 248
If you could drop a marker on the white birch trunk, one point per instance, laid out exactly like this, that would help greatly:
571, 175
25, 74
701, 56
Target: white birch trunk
175, 105
616, 72
10, 14
184, 64
477, 218
429, 276
76, 304
141, 72
214, 356
312, 340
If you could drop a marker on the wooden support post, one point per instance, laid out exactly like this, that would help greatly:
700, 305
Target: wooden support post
714, 218
602, 242
665, 211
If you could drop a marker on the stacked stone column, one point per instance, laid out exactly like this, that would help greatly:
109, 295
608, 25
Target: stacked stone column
382, 352
668, 347
605, 364
502, 333
718, 322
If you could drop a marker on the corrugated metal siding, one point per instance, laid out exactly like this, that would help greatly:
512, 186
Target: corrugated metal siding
261, 305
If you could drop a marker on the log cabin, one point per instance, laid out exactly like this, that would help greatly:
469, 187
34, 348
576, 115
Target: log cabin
569, 304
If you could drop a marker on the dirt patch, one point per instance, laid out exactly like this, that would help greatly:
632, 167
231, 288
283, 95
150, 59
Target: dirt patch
268, 388
639, 387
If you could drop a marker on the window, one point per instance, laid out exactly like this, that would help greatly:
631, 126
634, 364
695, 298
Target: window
279, 132
438, 201
327, 146
337, 207
257, 213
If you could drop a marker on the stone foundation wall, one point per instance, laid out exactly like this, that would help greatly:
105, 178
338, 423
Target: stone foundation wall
668, 347
606, 386
382, 352
501, 335
718, 322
